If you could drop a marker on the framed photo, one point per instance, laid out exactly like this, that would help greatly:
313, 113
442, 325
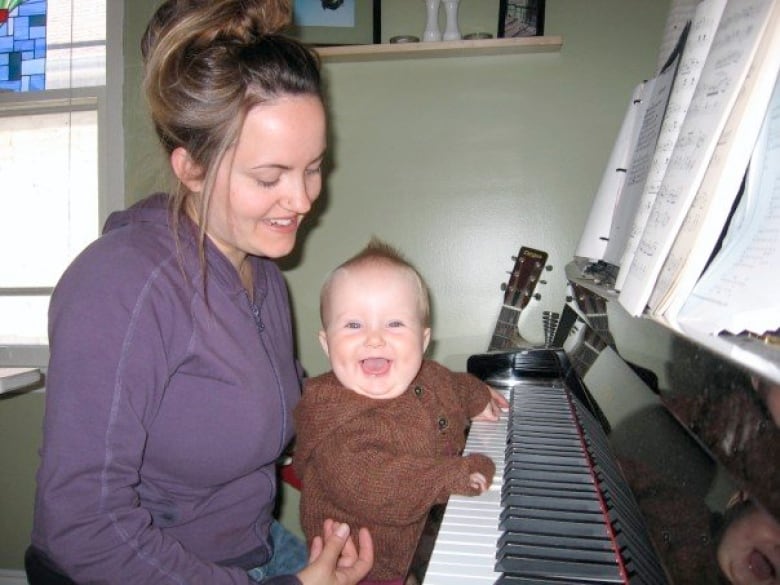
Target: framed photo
337, 22
520, 18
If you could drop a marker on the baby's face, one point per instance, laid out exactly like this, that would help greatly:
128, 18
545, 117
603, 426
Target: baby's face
374, 335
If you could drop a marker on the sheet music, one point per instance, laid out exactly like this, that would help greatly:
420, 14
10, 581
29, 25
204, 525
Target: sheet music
593, 241
738, 291
731, 54
710, 208
680, 12
654, 108
697, 45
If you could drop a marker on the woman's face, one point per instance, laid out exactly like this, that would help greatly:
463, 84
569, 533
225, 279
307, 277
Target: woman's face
268, 182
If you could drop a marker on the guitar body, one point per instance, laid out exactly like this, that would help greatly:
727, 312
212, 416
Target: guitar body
525, 274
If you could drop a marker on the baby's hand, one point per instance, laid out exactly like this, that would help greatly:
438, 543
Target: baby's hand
494, 408
478, 482
480, 469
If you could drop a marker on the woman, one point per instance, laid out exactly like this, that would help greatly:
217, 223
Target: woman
172, 376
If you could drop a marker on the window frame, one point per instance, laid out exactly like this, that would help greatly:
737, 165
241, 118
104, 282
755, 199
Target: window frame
108, 101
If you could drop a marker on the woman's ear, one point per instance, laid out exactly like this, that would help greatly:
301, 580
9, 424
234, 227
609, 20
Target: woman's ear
189, 174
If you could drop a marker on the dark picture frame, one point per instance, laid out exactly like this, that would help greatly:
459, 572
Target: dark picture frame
366, 29
520, 18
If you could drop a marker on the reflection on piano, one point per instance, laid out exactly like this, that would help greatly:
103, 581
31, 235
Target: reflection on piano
559, 510
665, 443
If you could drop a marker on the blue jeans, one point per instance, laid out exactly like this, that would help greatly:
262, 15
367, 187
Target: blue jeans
290, 555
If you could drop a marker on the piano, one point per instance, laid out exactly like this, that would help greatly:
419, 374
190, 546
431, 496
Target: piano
603, 473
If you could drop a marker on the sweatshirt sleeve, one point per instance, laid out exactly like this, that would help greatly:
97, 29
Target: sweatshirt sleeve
474, 394
106, 376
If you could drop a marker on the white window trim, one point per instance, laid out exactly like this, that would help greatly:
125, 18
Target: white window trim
111, 175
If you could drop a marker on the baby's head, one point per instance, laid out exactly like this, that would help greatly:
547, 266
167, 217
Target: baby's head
375, 315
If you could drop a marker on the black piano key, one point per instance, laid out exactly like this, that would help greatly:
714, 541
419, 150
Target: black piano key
603, 557
520, 580
550, 502
542, 473
557, 541
584, 516
561, 569
521, 456
548, 526
548, 490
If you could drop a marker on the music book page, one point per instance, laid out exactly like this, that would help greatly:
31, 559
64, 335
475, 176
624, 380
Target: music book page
680, 13
738, 291
694, 54
593, 241
654, 108
712, 203
725, 69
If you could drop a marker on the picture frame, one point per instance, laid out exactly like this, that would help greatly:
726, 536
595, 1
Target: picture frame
324, 23
520, 18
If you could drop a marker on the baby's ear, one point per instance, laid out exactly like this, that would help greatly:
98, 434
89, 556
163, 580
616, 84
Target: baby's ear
323, 337
426, 338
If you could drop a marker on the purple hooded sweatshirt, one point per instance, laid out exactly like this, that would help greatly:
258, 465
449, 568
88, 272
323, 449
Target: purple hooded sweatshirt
166, 410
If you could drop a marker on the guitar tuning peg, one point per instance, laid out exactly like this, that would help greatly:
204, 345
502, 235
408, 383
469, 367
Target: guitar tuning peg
542, 282
548, 267
537, 296
503, 286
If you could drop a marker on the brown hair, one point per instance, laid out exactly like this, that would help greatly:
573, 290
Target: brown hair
375, 253
207, 64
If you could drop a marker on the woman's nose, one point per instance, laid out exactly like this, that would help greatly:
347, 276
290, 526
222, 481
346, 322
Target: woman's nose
298, 201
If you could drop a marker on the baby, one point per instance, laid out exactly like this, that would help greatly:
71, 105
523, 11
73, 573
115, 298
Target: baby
380, 437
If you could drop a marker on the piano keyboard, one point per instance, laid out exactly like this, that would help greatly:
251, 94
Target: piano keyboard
557, 511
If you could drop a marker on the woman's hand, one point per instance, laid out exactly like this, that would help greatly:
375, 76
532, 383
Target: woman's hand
494, 408
335, 560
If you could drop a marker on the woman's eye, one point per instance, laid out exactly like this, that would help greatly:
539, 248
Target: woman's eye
315, 171
267, 184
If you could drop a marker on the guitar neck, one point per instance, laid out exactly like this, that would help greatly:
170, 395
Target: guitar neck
505, 334
518, 292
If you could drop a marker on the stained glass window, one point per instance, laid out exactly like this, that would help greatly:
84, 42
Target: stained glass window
52, 44
22, 45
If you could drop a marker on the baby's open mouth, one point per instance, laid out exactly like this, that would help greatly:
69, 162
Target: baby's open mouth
375, 366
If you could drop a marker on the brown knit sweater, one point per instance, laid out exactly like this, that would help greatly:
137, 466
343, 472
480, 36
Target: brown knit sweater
382, 464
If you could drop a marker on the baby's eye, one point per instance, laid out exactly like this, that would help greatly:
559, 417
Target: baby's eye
352, 325
396, 324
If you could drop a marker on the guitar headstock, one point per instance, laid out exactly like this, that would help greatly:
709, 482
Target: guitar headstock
529, 264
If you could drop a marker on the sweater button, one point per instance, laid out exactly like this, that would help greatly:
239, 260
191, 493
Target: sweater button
418, 391
443, 423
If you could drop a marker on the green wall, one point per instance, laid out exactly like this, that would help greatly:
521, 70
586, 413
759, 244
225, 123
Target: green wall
458, 161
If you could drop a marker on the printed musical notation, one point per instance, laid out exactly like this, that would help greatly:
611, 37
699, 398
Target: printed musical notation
732, 51
629, 199
710, 207
738, 290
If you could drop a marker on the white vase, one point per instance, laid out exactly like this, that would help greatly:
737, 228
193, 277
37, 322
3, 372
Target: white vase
451, 31
432, 32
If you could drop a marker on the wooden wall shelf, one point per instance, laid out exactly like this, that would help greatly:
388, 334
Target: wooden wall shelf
391, 51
